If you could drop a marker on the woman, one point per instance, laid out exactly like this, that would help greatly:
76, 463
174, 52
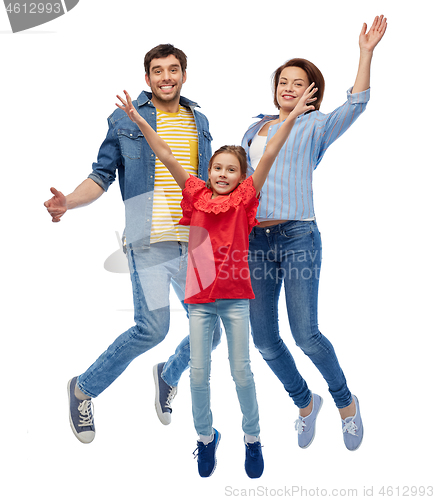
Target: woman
286, 247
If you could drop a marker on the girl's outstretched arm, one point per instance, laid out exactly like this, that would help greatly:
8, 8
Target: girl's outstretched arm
277, 141
157, 144
367, 44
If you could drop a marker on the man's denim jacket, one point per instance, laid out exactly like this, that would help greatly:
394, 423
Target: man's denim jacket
125, 150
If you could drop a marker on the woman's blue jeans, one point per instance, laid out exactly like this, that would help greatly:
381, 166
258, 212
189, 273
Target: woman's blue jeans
235, 317
291, 254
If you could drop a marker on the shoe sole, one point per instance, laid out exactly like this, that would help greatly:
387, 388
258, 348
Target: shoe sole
160, 414
315, 423
76, 434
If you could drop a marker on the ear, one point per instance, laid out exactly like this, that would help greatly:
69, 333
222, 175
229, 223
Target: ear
242, 178
184, 76
147, 79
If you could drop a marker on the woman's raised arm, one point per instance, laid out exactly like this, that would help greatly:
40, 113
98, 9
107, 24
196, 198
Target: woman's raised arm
367, 43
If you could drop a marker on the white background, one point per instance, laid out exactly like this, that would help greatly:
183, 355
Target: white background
61, 308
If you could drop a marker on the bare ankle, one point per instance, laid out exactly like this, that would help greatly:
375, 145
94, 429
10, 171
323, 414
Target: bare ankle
348, 411
304, 412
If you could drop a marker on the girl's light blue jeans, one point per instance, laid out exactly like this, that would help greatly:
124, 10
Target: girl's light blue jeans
235, 318
290, 254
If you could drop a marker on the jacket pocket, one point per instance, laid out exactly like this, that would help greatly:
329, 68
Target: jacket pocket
130, 141
207, 135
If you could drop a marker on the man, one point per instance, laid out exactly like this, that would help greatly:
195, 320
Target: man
155, 244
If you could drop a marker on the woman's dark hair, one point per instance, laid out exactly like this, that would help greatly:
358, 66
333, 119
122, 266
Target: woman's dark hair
313, 73
162, 51
238, 152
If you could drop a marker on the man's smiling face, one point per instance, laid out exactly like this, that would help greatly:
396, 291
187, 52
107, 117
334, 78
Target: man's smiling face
165, 80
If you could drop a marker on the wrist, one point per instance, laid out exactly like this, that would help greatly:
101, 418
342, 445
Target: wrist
138, 120
365, 53
70, 202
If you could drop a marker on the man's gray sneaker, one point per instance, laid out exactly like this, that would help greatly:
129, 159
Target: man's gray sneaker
164, 395
81, 416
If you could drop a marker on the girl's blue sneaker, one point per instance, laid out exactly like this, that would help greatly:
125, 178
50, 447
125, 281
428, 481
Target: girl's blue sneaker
254, 464
206, 455
306, 426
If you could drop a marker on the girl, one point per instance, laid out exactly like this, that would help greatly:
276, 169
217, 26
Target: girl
221, 215
286, 248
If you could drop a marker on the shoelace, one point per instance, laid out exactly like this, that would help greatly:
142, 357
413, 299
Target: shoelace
171, 395
350, 427
86, 410
199, 450
254, 449
299, 425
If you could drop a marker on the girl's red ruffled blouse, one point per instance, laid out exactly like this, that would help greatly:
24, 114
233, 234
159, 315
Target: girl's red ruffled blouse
218, 241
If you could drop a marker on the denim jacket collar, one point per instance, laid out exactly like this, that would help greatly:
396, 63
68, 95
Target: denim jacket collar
145, 98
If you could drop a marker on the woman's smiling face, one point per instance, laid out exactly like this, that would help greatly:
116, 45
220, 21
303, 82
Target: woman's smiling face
291, 85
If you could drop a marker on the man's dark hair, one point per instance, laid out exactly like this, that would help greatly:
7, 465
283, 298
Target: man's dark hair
162, 51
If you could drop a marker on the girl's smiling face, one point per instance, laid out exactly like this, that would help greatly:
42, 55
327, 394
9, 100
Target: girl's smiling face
291, 85
225, 174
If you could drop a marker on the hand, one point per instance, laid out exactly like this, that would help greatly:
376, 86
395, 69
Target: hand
369, 40
307, 97
129, 108
56, 206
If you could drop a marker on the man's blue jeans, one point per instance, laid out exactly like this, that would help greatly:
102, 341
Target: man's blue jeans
290, 254
152, 271
235, 317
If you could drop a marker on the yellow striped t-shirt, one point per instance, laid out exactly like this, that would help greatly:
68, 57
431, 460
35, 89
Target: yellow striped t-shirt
178, 130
